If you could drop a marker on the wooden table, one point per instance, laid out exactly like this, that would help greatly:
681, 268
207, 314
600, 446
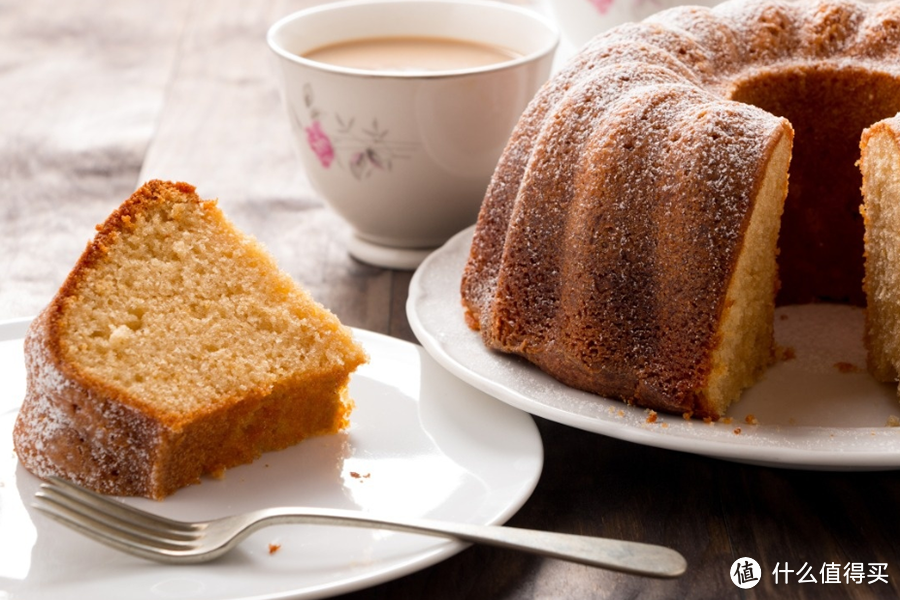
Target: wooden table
97, 97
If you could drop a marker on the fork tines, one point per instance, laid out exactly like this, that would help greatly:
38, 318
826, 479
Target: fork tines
113, 522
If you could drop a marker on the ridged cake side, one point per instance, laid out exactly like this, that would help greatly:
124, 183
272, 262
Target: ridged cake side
579, 232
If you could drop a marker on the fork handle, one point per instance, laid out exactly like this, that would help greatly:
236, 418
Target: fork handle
618, 555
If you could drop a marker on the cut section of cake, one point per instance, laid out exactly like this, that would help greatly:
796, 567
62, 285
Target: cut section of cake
880, 166
177, 348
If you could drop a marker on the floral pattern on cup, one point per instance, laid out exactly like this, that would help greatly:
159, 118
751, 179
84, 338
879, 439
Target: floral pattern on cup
320, 143
336, 140
602, 6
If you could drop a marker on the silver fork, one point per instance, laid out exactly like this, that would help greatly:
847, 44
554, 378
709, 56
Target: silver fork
157, 538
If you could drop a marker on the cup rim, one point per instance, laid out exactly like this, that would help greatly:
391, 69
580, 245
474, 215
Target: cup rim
548, 48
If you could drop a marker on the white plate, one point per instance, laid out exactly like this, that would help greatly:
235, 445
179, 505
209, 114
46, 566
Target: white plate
421, 443
820, 410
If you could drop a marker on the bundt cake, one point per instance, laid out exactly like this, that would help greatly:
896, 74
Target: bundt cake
635, 236
176, 348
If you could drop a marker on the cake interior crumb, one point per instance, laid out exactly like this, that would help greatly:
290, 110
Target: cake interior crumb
206, 301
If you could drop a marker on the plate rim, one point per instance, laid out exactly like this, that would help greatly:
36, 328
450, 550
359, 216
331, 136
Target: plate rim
778, 456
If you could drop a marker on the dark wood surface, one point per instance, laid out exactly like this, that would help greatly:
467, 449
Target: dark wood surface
96, 97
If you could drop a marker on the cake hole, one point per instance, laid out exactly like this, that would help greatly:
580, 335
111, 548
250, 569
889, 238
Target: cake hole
823, 107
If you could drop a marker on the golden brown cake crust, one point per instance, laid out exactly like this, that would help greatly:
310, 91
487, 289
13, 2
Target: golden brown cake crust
82, 427
609, 234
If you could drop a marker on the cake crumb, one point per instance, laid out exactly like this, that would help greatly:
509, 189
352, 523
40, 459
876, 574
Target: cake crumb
664, 425
751, 420
273, 548
727, 420
651, 416
621, 413
893, 421
846, 367
737, 431
708, 420
785, 353
356, 475
687, 416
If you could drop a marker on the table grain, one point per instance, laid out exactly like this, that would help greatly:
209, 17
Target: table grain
98, 96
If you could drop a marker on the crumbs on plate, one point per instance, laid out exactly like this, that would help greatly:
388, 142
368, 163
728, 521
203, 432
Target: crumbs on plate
273, 548
785, 353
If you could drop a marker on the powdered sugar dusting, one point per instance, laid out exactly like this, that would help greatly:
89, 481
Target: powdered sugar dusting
45, 381
63, 429
631, 151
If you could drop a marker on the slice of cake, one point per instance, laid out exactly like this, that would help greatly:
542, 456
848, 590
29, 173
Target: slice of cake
880, 165
176, 348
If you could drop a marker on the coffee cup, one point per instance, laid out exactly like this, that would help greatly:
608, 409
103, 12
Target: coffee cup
405, 154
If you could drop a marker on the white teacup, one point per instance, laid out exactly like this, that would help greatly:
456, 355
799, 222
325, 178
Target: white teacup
405, 157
